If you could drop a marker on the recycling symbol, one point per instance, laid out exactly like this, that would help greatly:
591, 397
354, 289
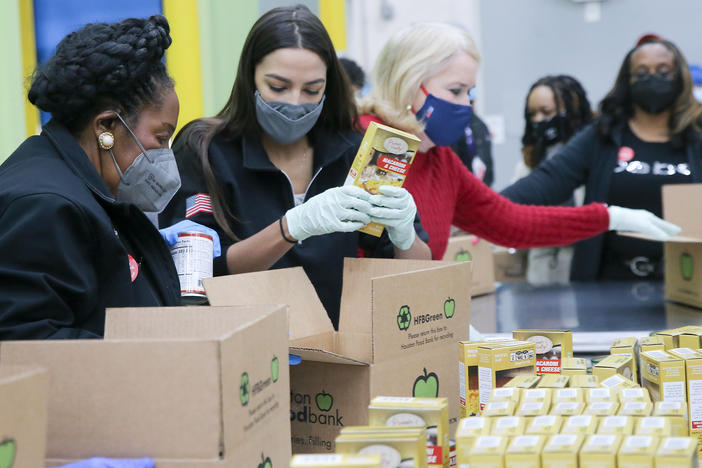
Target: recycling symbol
404, 318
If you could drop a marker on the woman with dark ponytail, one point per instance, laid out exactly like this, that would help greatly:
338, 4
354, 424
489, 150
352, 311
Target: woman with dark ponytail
74, 239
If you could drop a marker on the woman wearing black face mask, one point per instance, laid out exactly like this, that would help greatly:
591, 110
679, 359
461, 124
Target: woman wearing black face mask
267, 172
556, 108
648, 135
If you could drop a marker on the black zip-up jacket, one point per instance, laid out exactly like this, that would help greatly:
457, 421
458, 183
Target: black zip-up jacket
586, 159
258, 194
65, 245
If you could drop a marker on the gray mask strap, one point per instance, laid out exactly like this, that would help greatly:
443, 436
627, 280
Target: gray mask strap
133, 136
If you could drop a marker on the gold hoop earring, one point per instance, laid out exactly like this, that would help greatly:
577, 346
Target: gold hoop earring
106, 140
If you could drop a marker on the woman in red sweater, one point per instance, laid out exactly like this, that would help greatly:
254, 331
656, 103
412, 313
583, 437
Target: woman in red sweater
421, 82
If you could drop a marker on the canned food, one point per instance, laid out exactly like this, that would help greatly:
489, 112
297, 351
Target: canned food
192, 255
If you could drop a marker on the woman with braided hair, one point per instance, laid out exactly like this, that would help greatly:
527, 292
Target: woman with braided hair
74, 238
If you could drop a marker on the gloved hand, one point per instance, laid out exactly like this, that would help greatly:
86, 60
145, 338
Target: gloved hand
339, 209
170, 234
394, 207
98, 462
642, 221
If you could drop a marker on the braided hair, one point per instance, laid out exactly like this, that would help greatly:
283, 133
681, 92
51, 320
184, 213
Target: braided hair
104, 65
571, 103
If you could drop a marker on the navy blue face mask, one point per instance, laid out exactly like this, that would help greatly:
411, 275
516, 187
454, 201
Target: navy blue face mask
444, 122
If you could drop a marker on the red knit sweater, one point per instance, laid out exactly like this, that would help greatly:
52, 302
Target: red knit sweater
446, 194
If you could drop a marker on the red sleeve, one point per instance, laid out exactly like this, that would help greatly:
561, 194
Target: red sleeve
485, 213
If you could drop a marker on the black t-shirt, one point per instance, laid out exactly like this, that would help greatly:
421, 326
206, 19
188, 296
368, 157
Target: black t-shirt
642, 169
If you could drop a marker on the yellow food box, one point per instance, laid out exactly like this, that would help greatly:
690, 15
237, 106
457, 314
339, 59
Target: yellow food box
551, 347
630, 346
508, 426
618, 382
488, 452
524, 381
637, 451
584, 381
633, 394
568, 394
602, 408
677, 452
533, 408
468, 430
335, 461
693, 377
613, 364
506, 393
600, 450
659, 426
676, 412
671, 338
562, 450
623, 425
499, 362
525, 451
651, 343
691, 338
553, 381
573, 366
536, 394
468, 376
663, 375
544, 425
431, 413
393, 448
635, 408
600, 394
580, 424
383, 158
499, 408
568, 408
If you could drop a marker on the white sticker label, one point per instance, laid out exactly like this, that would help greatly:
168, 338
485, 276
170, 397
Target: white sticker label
504, 392
394, 399
563, 439
535, 394
525, 441
566, 393
599, 393
601, 406
580, 420
673, 391
317, 459
497, 405
488, 441
532, 406
676, 443
655, 422
657, 354
473, 423
638, 441
566, 406
548, 420
601, 440
615, 421
634, 406
628, 393
613, 381
507, 422
670, 405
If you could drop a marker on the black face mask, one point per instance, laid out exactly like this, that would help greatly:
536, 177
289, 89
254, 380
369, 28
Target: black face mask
549, 131
654, 93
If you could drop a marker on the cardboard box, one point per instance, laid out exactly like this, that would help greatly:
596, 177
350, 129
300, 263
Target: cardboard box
509, 426
524, 381
550, 345
23, 412
335, 461
399, 324
568, 408
636, 408
488, 452
676, 412
568, 394
561, 451
510, 265
479, 253
525, 451
613, 364
623, 425
628, 346
584, 381
693, 377
499, 362
573, 366
499, 408
663, 375
544, 425
180, 384
555, 382
581, 424
600, 450
383, 158
651, 343
637, 451
658, 426
677, 452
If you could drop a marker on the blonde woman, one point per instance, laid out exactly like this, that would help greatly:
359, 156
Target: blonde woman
421, 82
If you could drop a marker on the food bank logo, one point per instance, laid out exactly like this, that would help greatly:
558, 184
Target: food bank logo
404, 316
8, 449
687, 266
322, 411
426, 385
247, 390
265, 462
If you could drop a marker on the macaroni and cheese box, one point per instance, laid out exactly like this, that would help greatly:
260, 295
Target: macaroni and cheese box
658, 426
663, 375
637, 451
468, 377
524, 381
628, 346
525, 451
551, 347
553, 381
693, 377
600, 450
676, 412
580, 424
499, 408
651, 343
613, 364
691, 338
636, 408
500, 362
488, 452
573, 366
623, 425
584, 381
509, 426
384, 158
533, 408
568, 408
568, 394
600, 394
561, 451
394, 447
432, 413
671, 338
633, 394
335, 461
544, 425
677, 452
468, 430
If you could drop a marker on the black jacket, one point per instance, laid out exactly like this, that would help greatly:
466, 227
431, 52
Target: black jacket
586, 159
258, 194
65, 242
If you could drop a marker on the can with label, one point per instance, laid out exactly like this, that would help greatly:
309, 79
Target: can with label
192, 255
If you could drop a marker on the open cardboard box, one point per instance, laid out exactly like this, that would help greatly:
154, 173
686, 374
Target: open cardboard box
465, 248
23, 401
399, 324
186, 386
682, 253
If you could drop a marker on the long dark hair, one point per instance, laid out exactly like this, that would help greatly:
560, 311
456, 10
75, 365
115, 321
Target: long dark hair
295, 27
617, 107
571, 103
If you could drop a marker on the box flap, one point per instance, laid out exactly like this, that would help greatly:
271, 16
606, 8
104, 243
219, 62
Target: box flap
318, 355
291, 286
182, 322
680, 207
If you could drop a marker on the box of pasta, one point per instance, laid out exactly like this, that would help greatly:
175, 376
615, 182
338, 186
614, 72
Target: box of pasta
499, 362
551, 347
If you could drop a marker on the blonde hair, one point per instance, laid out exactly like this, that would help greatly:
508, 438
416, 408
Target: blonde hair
411, 56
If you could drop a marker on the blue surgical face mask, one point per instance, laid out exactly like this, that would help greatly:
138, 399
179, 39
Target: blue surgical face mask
444, 122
